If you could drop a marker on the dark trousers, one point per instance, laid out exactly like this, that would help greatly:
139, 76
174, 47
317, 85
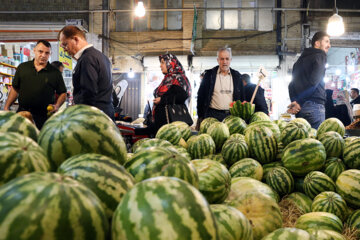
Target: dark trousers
39, 116
218, 114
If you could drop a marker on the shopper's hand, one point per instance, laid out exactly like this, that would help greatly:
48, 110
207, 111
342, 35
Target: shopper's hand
157, 100
294, 108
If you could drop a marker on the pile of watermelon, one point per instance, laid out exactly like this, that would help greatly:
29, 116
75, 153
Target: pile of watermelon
75, 179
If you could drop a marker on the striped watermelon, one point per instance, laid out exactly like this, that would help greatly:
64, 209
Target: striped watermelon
182, 151
247, 167
267, 167
219, 132
348, 186
288, 234
331, 124
281, 124
170, 133
138, 143
325, 235
330, 202
237, 136
234, 150
20, 155
303, 121
200, 146
50, 206
317, 182
259, 116
319, 220
104, 176
216, 157
153, 142
312, 133
81, 129
184, 128
271, 125
214, 180
293, 131
281, 180
235, 124
351, 154
158, 161
262, 144
354, 220
205, 124
333, 143
301, 201
242, 109
12, 122
231, 223
303, 156
334, 167
163, 208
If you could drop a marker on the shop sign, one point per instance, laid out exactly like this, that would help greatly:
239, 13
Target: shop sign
65, 58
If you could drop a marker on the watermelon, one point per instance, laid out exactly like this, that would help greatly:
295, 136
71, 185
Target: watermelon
219, 132
262, 144
317, 182
303, 156
312, 133
180, 150
81, 129
12, 122
200, 146
303, 121
333, 143
50, 206
184, 128
287, 234
20, 155
301, 201
247, 167
158, 161
231, 223
259, 116
104, 176
234, 150
164, 208
281, 124
325, 235
351, 154
138, 143
214, 180
354, 220
242, 109
281, 180
330, 202
271, 125
216, 157
153, 142
170, 133
235, 124
334, 167
293, 131
237, 136
331, 124
205, 124
267, 167
348, 186
319, 220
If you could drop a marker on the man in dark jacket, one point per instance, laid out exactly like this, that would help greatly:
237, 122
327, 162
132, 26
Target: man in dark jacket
92, 79
307, 88
354, 94
259, 101
220, 86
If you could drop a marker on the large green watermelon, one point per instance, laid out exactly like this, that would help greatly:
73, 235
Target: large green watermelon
219, 133
151, 142
235, 124
81, 129
259, 116
50, 206
319, 220
104, 176
205, 124
301, 201
316, 182
288, 234
242, 109
234, 150
351, 153
330, 202
348, 186
20, 155
293, 131
163, 208
333, 143
331, 124
184, 128
170, 133
200, 146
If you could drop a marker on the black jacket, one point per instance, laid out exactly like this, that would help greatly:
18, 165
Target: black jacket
207, 85
259, 101
307, 77
355, 101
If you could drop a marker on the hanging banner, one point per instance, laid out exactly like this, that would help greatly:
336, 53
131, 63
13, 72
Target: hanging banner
65, 58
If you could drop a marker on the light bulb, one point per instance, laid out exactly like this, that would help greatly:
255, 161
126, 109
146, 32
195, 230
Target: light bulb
140, 9
131, 74
335, 25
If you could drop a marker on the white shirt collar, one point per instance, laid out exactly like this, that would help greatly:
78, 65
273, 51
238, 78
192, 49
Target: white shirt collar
80, 52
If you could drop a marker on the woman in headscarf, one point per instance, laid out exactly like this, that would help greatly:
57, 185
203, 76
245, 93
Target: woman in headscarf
343, 110
174, 88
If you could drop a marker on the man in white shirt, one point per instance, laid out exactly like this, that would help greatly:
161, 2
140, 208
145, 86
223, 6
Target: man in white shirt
92, 78
220, 86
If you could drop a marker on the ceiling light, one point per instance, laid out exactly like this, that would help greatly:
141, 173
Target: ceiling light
335, 25
131, 74
140, 9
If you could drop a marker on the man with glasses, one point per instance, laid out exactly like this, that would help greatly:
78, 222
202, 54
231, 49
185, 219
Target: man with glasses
35, 83
92, 79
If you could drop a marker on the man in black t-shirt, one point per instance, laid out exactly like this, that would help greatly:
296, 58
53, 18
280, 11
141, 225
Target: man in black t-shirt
35, 84
354, 94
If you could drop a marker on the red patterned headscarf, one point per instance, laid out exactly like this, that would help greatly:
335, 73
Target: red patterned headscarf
174, 76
